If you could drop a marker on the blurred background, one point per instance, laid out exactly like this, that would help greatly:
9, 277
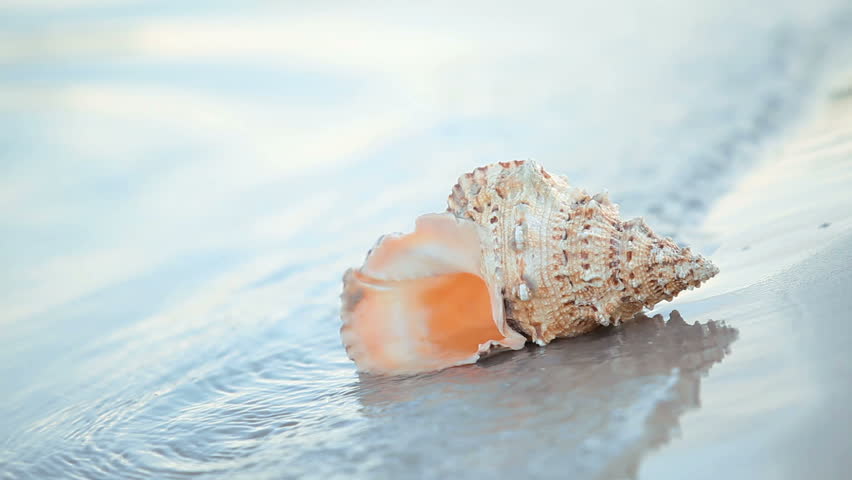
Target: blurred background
182, 185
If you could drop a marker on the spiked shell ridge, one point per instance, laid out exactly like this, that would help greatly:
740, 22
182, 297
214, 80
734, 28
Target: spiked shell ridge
565, 260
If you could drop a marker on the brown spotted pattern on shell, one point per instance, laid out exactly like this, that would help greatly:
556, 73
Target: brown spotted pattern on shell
520, 255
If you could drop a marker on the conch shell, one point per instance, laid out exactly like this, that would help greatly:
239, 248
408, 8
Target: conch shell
519, 255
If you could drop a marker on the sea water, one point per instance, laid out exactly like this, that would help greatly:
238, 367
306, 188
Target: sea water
182, 186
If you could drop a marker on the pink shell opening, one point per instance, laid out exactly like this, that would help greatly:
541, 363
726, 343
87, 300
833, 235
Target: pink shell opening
422, 301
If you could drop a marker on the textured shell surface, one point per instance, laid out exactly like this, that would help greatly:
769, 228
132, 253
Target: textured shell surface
565, 259
554, 260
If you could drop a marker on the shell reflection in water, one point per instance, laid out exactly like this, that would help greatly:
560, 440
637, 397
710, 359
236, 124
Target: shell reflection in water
603, 400
519, 255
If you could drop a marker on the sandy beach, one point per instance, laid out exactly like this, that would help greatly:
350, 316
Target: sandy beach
183, 184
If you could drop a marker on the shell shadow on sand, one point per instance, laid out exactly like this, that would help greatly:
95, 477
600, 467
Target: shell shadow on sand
591, 405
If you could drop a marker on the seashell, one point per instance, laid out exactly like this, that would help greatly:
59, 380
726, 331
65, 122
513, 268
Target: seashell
520, 255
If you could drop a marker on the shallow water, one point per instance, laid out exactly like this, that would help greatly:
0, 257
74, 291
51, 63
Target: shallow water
182, 188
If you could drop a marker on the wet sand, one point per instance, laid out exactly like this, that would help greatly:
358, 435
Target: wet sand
182, 187
777, 407
745, 377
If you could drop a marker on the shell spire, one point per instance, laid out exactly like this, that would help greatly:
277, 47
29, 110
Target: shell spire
519, 255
